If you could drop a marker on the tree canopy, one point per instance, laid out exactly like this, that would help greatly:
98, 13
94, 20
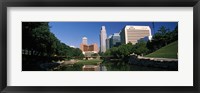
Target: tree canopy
162, 38
39, 41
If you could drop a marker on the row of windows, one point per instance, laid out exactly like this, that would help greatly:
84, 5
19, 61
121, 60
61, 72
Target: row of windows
89, 48
138, 33
136, 30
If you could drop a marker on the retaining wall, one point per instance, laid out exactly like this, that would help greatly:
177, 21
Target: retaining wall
154, 62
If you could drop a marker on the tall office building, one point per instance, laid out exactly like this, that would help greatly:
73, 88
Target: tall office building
84, 40
134, 33
115, 40
103, 37
108, 42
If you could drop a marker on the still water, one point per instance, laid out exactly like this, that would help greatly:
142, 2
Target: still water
129, 67
115, 67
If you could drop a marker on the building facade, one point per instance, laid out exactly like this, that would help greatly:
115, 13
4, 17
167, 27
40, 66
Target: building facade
103, 37
115, 40
108, 42
89, 48
134, 33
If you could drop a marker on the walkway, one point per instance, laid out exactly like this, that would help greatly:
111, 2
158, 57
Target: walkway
158, 59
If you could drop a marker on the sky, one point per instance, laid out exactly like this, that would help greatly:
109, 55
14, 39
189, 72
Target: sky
71, 33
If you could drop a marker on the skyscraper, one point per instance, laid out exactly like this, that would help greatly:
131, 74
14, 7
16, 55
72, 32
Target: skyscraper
134, 34
84, 40
103, 37
108, 42
115, 40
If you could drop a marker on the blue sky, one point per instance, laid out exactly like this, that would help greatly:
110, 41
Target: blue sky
71, 33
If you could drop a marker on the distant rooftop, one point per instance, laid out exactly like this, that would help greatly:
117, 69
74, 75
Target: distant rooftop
116, 34
110, 36
103, 28
84, 37
137, 27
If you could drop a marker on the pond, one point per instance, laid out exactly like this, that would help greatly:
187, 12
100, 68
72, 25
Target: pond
109, 66
129, 67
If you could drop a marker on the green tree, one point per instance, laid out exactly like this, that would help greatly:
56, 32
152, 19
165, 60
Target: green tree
107, 53
28, 41
114, 52
95, 55
163, 37
77, 53
140, 48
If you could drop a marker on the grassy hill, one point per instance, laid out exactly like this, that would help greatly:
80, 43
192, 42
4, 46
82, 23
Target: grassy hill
168, 51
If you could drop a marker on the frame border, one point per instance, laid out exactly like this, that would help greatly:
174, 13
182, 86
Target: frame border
101, 3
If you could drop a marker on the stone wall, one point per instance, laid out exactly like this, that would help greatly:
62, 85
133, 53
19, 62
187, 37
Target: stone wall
154, 62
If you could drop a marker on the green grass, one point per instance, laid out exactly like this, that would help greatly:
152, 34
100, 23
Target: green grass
168, 51
89, 62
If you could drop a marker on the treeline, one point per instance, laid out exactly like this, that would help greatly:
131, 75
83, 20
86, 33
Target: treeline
123, 51
163, 37
37, 40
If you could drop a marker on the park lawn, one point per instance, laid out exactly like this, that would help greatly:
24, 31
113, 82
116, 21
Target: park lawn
168, 51
89, 62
